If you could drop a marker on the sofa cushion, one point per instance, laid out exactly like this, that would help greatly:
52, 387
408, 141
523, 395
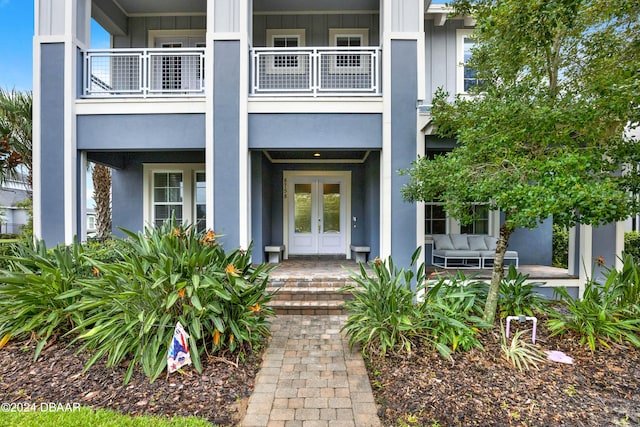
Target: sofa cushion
460, 241
477, 243
442, 242
492, 254
456, 253
491, 242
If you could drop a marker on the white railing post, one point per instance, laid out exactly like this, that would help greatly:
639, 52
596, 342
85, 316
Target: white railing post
143, 73
314, 74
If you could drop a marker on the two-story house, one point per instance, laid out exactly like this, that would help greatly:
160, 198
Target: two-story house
282, 122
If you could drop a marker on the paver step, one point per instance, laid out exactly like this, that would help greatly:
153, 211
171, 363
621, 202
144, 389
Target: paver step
308, 299
308, 307
297, 282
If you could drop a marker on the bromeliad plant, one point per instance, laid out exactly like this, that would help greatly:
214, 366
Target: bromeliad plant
518, 297
36, 288
385, 314
168, 274
607, 313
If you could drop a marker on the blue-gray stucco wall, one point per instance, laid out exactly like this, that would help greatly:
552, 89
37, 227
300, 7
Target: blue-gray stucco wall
226, 141
534, 246
604, 247
52, 191
127, 209
403, 92
315, 131
141, 132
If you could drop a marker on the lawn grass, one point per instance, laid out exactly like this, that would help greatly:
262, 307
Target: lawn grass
89, 417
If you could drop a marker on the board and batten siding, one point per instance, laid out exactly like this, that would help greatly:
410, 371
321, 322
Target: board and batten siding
317, 26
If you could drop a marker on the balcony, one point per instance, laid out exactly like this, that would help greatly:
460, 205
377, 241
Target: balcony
315, 71
179, 72
143, 73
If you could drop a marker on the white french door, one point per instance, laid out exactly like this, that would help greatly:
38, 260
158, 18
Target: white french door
317, 214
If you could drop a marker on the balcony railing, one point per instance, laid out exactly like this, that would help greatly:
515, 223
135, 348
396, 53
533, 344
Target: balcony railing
315, 71
143, 72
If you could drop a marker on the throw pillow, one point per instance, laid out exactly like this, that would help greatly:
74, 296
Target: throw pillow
442, 242
460, 241
476, 243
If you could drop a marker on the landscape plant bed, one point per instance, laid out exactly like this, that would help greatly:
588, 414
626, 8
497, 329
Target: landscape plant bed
480, 388
219, 395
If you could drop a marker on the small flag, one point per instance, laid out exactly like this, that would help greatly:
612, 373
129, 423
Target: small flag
178, 355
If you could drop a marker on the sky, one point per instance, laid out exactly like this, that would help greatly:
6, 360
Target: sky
16, 43
16, 35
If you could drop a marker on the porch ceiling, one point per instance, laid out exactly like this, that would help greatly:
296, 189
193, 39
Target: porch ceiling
158, 7
313, 5
311, 156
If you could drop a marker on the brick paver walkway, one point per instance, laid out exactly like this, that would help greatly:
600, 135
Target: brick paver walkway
310, 378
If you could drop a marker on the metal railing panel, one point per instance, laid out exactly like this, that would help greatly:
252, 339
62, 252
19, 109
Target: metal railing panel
143, 72
315, 71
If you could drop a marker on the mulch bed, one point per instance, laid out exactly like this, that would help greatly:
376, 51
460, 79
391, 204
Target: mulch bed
480, 388
219, 394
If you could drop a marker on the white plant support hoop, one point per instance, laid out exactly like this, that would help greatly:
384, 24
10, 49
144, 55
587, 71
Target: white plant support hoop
523, 319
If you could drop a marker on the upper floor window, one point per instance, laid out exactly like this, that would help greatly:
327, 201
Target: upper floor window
466, 76
286, 38
349, 38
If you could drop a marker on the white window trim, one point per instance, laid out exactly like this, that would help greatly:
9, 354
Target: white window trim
152, 35
461, 34
188, 172
334, 33
364, 66
298, 33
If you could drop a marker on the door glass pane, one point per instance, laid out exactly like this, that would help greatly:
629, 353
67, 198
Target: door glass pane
331, 208
302, 208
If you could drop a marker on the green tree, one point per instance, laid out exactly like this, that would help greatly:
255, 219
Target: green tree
15, 132
544, 135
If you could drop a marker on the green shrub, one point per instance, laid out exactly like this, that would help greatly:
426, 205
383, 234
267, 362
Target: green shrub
518, 297
607, 312
560, 247
36, 287
452, 309
386, 316
108, 250
382, 313
632, 245
168, 274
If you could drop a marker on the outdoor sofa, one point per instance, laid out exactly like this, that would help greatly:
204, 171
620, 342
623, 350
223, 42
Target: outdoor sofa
467, 251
